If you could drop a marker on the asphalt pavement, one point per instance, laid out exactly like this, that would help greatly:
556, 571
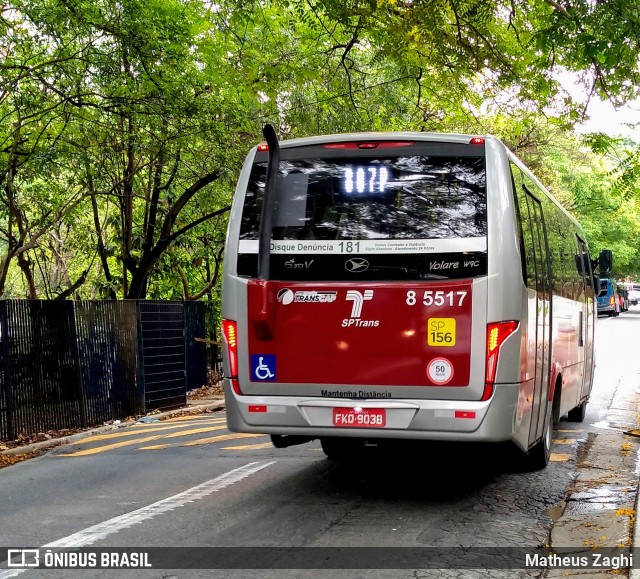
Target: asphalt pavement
598, 511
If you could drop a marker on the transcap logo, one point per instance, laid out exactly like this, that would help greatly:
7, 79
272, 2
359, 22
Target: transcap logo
286, 296
358, 298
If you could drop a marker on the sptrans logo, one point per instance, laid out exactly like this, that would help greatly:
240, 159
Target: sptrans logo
358, 299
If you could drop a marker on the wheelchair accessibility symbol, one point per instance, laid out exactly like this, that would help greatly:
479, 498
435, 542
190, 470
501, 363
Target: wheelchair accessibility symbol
263, 367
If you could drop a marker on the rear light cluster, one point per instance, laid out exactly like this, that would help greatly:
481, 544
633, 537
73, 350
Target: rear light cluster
372, 144
464, 414
497, 333
369, 145
230, 334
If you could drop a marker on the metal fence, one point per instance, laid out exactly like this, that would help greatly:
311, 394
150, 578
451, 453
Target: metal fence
73, 364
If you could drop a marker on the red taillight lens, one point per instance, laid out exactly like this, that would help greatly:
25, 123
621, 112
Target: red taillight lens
369, 145
477, 141
263, 147
497, 333
230, 333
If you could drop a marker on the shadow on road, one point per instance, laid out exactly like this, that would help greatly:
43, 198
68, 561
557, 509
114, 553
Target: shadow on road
633, 313
410, 469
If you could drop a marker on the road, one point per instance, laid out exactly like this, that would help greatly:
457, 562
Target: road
190, 482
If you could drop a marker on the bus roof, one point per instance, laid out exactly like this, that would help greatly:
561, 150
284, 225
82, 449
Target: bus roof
460, 138
382, 136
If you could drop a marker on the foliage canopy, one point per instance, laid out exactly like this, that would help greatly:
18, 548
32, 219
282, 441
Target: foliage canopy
124, 123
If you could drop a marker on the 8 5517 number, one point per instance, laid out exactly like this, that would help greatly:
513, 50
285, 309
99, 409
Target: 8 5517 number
437, 298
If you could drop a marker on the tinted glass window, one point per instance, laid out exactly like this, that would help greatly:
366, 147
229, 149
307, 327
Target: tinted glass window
416, 214
412, 197
527, 230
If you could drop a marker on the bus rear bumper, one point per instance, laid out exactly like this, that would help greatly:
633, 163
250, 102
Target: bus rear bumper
495, 420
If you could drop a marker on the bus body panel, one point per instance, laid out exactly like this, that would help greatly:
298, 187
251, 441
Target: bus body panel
504, 274
443, 420
337, 333
571, 311
323, 349
278, 397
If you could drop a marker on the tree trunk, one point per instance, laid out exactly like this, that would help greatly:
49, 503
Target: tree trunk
25, 266
102, 252
138, 286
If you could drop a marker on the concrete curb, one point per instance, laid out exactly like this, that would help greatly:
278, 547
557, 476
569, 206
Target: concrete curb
634, 572
43, 445
606, 471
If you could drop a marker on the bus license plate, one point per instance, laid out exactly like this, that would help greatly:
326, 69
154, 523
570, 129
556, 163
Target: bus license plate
360, 417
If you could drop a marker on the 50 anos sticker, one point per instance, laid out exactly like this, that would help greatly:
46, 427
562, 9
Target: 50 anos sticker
437, 298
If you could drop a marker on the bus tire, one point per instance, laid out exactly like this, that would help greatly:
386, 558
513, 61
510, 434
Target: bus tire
578, 413
538, 456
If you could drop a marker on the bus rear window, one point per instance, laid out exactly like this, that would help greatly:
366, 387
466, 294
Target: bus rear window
413, 205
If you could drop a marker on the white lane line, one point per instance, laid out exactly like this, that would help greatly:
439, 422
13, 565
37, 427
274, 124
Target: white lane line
97, 532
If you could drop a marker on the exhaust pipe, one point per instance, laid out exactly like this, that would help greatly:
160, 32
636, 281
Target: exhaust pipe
285, 440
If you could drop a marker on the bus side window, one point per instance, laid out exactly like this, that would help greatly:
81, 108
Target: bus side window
538, 228
555, 246
525, 223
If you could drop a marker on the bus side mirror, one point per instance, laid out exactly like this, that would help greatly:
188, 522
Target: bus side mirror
605, 261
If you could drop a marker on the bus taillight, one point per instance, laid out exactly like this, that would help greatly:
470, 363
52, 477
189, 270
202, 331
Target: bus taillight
369, 145
230, 334
497, 333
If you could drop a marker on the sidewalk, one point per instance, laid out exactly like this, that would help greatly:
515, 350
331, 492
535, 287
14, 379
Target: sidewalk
599, 511
199, 405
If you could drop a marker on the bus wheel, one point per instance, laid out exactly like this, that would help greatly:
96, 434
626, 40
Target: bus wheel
538, 456
578, 413
339, 449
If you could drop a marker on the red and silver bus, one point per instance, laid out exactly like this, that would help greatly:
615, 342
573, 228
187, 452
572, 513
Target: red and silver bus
403, 286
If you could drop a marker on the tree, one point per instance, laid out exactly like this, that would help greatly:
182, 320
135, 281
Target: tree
125, 122
136, 101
